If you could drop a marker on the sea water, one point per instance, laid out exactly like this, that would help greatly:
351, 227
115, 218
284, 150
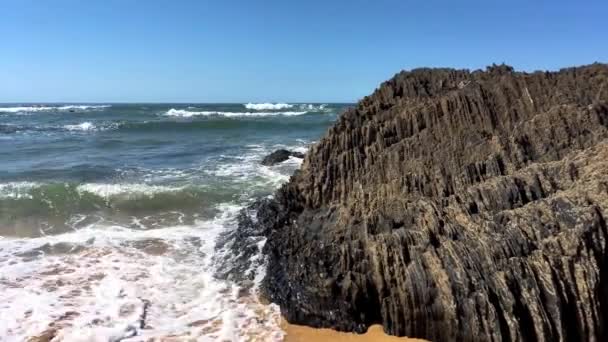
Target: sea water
110, 216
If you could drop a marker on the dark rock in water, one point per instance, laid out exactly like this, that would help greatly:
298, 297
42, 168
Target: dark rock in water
453, 206
240, 264
280, 156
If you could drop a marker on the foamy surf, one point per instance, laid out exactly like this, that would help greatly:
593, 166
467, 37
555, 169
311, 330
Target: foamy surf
247, 168
110, 283
109, 219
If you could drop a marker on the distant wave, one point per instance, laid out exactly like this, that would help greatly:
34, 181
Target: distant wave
224, 120
79, 127
281, 106
9, 128
191, 113
33, 109
267, 106
313, 108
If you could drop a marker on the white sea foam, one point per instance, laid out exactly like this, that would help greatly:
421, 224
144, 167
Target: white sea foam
191, 113
17, 190
313, 107
85, 126
83, 107
246, 168
281, 106
165, 175
44, 108
91, 127
130, 190
267, 106
117, 282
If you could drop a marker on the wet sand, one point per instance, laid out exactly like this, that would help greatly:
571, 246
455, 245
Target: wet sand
298, 333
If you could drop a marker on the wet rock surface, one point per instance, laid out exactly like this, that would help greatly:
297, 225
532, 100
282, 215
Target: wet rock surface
280, 156
238, 251
452, 206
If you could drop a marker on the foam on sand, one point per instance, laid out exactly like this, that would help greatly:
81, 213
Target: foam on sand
107, 282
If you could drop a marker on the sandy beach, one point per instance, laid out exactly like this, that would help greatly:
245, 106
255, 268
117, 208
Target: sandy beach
298, 333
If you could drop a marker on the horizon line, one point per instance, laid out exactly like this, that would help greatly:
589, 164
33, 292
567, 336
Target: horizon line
175, 102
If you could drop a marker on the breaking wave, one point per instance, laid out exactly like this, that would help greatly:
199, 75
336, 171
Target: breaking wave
282, 106
190, 113
268, 106
56, 204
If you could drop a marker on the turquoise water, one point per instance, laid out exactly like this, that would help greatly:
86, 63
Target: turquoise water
133, 189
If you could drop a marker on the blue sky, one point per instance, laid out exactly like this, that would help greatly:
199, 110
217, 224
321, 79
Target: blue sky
293, 51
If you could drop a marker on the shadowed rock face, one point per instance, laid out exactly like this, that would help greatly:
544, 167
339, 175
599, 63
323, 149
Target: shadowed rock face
453, 205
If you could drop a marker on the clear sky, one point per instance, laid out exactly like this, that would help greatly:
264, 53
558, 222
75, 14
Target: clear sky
275, 50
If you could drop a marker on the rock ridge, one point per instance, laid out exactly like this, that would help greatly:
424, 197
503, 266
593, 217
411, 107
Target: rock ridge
452, 205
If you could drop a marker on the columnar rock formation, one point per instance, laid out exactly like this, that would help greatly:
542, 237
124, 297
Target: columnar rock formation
453, 205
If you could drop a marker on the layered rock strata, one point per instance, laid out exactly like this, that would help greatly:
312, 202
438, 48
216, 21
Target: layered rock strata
453, 206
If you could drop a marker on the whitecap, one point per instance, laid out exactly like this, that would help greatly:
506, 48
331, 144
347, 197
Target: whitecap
267, 106
313, 107
83, 107
85, 126
187, 113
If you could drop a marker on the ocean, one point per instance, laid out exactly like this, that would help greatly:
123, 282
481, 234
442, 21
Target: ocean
110, 216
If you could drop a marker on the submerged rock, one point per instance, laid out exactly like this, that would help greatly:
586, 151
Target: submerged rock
453, 205
280, 156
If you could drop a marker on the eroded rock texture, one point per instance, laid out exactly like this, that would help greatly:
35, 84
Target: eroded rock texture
453, 205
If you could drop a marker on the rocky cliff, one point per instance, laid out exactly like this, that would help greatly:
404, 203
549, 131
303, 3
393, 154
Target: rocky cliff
453, 205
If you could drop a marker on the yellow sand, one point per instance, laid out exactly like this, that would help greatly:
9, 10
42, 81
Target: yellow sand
298, 333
